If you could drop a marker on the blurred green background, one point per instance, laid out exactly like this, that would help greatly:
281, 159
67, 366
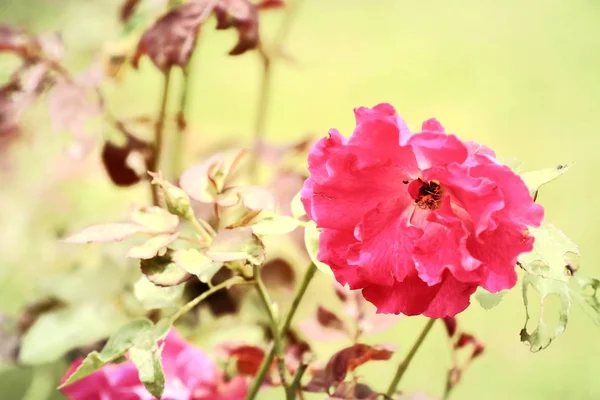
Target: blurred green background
522, 77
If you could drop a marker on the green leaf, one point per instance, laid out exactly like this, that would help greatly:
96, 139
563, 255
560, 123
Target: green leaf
162, 328
152, 247
585, 291
257, 198
543, 334
105, 233
92, 363
57, 332
163, 271
297, 206
536, 179
149, 369
152, 296
139, 332
311, 241
488, 300
194, 262
275, 225
236, 245
155, 218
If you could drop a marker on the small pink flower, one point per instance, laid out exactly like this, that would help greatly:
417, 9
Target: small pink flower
417, 221
189, 374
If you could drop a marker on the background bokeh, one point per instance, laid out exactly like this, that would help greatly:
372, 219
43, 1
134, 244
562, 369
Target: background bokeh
519, 76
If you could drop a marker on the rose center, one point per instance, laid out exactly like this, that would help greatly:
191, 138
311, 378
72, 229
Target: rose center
427, 195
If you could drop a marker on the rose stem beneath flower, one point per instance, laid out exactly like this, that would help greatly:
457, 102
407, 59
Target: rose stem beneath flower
268, 303
404, 364
158, 136
266, 363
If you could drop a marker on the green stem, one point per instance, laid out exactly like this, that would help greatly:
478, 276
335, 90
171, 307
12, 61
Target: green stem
236, 280
264, 367
277, 339
295, 385
404, 365
158, 135
178, 140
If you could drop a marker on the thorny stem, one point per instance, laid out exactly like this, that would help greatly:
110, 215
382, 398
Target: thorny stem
264, 95
404, 364
266, 363
236, 280
277, 339
158, 135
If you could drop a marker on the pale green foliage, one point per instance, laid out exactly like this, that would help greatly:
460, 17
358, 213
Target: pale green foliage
57, 332
297, 207
311, 241
156, 218
275, 225
546, 272
152, 296
154, 246
197, 263
535, 179
139, 337
488, 300
236, 245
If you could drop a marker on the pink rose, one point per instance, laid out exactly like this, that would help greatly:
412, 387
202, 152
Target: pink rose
189, 374
417, 221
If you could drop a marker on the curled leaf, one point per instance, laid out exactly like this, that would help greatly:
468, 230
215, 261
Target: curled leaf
150, 372
243, 16
163, 271
311, 241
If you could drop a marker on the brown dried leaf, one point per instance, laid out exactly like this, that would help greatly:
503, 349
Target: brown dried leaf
278, 273
128, 9
243, 16
171, 39
354, 391
116, 159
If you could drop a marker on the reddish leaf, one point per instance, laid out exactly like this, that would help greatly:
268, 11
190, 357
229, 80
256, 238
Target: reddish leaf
128, 9
105, 233
278, 273
345, 361
17, 41
479, 348
463, 340
171, 40
450, 324
247, 357
269, 4
329, 320
116, 159
354, 391
243, 16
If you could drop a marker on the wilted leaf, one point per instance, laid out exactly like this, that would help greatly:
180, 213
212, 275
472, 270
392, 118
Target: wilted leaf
154, 246
236, 245
57, 332
550, 248
488, 300
149, 368
163, 271
274, 225
324, 326
117, 160
106, 233
116, 347
543, 334
311, 240
152, 296
345, 361
171, 40
535, 179
243, 16
156, 218
194, 262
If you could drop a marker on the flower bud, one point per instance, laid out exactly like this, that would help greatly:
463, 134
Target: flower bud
176, 200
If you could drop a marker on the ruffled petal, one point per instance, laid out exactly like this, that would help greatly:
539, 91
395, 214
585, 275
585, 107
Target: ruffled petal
414, 297
384, 112
433, 149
